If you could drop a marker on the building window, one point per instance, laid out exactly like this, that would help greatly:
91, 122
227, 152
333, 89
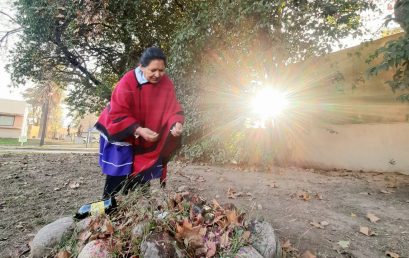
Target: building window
6, 120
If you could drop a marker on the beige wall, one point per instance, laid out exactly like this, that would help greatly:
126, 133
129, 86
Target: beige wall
14, 108
339, 82
344, 119
367, 147
9, 132
12, 131
8, 106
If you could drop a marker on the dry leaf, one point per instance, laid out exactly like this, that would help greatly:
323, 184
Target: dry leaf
108, 228
318, 196
386, 191
365, 193
344, 244
372, 217
216, 204
84, 236
224, 240
287, 246
200, 179
203, 231
218, 218
232, 217
392, 184
94, 237
308, 254
211, 249
324, 223
317, 225
63, 254
305, 196
189, 235
231, 193
246, 235
272, 185
74, 185
391, 254
366, 231
239, 194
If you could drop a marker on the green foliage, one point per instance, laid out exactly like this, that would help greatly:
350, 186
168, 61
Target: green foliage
395, 54
215, 57
88, 45
216, 48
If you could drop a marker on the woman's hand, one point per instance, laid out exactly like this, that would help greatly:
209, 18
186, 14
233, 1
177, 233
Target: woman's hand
177, 130
147, 134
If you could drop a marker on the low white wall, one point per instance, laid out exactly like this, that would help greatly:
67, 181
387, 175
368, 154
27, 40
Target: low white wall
367, 147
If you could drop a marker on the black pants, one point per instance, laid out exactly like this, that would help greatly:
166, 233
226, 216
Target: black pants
114, 184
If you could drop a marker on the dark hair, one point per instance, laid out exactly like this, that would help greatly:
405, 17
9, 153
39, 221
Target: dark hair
150, 54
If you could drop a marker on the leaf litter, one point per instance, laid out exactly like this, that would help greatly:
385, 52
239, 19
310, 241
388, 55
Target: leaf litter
367, 231
391, 254
200, 229
372, 217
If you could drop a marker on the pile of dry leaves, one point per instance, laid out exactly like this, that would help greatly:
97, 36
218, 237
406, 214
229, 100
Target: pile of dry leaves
182, 223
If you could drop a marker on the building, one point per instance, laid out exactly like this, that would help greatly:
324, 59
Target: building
13, 118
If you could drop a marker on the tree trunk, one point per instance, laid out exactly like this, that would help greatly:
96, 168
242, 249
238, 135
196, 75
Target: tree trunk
44, 120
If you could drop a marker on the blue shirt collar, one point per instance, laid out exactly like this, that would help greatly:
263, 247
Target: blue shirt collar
139, 76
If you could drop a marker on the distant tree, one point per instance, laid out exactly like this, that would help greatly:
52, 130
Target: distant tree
89, 44
37, 97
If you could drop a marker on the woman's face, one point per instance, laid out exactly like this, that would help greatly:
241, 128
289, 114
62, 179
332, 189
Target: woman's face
154, 71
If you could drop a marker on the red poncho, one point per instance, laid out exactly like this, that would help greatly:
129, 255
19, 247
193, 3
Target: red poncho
153, 106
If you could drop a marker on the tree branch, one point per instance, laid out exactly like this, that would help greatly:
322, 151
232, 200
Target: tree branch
9, 16
9, 33
179, 5
71, 58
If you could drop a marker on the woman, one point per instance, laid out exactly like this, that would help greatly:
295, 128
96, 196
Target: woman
141, 126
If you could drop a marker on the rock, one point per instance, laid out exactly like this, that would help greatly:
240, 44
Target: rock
264, 240
50, 235
150, 250
248, 252
83, 224
139, 230
158, 245
95, 249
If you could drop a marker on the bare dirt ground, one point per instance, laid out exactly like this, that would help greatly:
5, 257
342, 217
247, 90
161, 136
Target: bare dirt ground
36, 189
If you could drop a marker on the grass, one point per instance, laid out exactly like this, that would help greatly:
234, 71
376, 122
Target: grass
69, 242
9, 142
36, 143
15, 142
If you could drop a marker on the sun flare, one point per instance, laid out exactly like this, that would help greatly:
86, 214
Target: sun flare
269, 103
